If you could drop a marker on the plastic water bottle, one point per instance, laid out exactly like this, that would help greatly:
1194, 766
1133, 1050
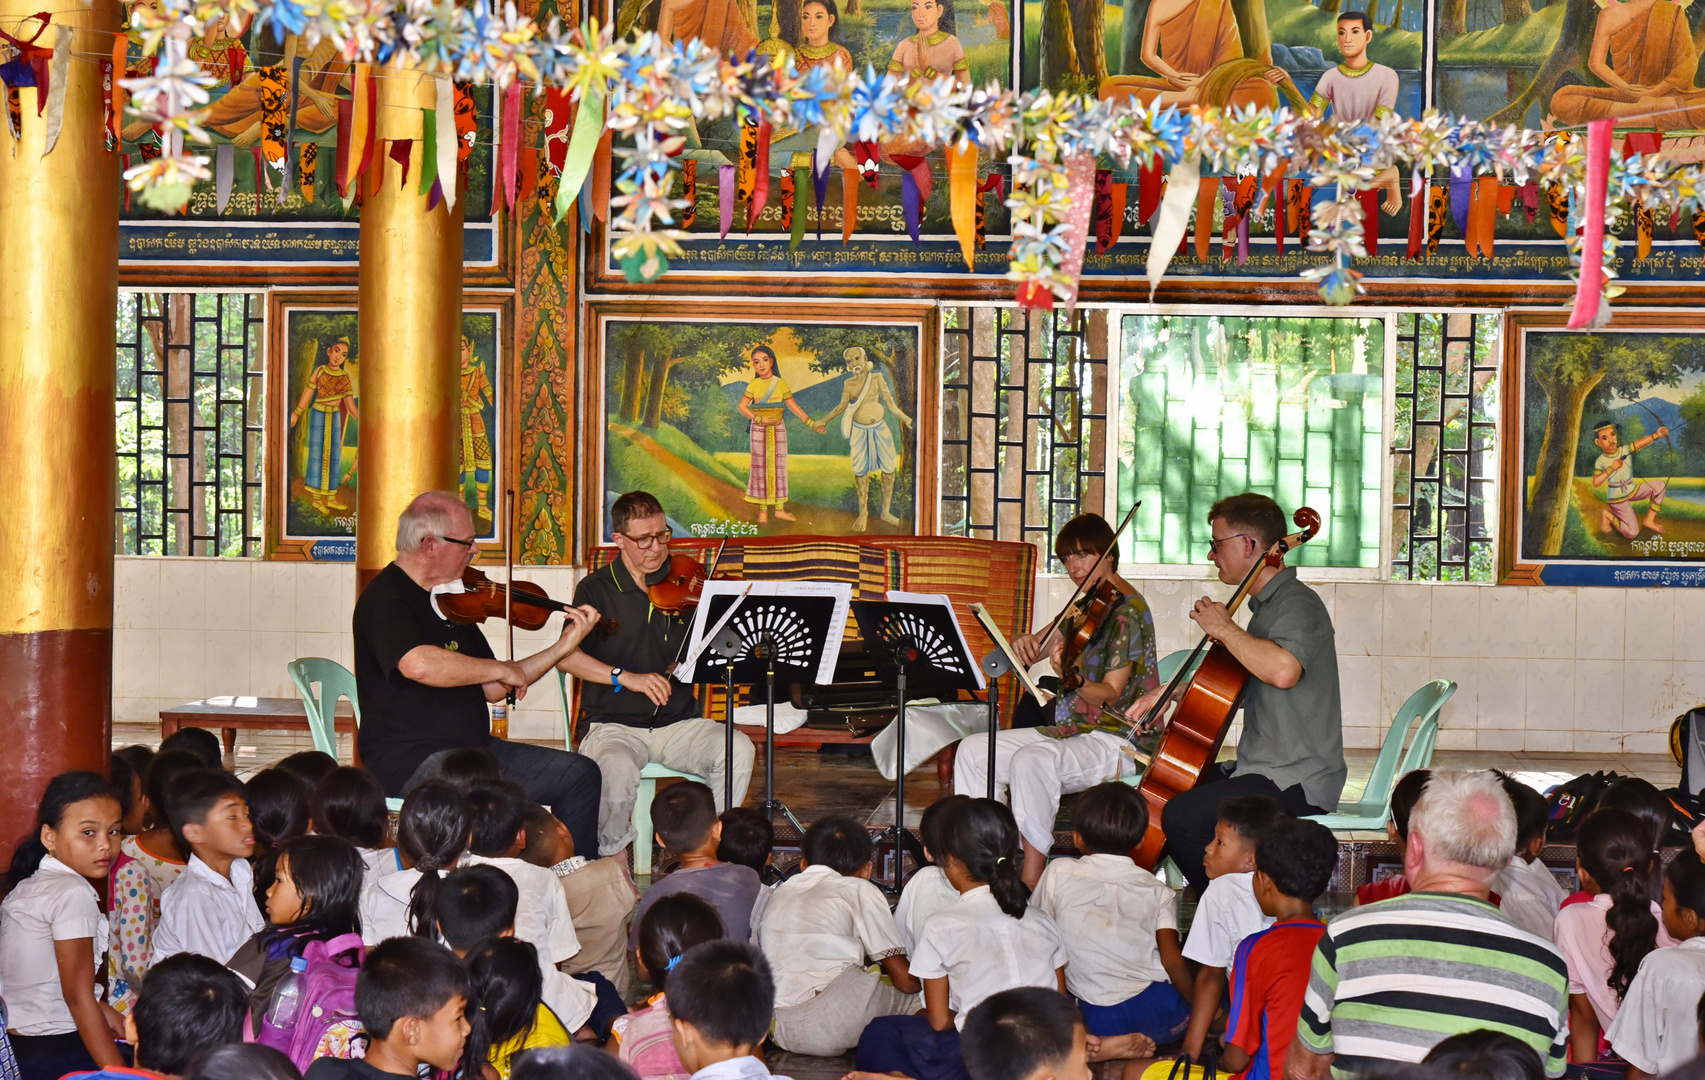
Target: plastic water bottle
500, 720
287, 999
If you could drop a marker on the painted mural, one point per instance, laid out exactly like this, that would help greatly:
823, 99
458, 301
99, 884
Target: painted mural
759, 429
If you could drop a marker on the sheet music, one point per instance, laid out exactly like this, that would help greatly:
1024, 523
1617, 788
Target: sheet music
839, 592
895, 596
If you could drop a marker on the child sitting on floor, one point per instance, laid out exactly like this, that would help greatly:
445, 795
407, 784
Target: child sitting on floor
128, 768
52, 933
144, 869
1228, 911
1527, 891
1404, 796
350, 803
474, 904
990, 940
1657, 1029
187, 1006
1026, 1034
512, 1015
644, 1038
413, 999
1270, 973
684, 814
432, 834
747, 839
600, 894
1124, 962
927, 891
722, 998
280, 806
210, 909
315, 893
819, 930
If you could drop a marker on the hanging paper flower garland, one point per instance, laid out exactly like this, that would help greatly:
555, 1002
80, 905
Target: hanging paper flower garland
650, 91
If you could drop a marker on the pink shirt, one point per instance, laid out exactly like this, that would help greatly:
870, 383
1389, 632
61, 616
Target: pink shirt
1583, 938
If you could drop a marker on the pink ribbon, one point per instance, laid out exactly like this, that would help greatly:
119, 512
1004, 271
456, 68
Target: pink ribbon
1589, 290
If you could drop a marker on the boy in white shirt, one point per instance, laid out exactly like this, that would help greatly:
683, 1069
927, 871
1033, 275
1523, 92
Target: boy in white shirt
497, 811
928, 890
210, 909
1228, 911
818, 931
1657, 1028
1120, 925
1529, 895
721, 999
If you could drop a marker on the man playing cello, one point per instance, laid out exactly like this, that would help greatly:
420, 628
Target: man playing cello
1039, 765
1292, 746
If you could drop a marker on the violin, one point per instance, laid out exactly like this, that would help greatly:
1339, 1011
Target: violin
683, 584
527, 605
1088, 613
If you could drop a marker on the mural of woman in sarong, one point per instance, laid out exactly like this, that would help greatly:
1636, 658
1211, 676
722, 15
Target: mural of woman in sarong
762, 403
326, 403
477, 393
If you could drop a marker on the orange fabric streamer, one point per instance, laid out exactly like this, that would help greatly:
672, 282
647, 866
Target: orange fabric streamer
1207, 191
962, 197
601, 177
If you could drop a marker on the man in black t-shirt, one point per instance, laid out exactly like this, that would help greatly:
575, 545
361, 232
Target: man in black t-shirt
424, 681
632, 712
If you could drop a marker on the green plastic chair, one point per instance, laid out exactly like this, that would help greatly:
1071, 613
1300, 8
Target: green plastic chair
1417, 724
335, 681
648, 777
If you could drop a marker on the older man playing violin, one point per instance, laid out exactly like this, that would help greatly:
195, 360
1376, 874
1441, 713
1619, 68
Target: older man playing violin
632, 712
1039, 764
424, 681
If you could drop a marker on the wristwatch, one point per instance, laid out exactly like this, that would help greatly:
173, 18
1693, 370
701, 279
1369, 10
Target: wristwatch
615, 680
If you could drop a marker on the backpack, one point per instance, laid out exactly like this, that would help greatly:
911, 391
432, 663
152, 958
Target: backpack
1572, 801
328, 1004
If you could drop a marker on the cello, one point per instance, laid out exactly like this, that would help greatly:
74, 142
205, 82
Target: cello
1190, 738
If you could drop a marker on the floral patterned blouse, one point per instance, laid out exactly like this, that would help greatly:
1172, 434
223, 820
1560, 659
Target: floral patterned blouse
139, 879
1126, 637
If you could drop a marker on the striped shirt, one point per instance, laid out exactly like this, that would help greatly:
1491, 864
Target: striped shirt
1395, 978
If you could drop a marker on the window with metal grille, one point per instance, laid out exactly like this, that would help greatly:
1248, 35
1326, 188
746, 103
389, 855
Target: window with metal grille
191, 397
1023, 421
1214, 405
1444, 453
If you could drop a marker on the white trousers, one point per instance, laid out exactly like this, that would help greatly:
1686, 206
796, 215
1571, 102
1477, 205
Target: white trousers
1036, 770
689, 746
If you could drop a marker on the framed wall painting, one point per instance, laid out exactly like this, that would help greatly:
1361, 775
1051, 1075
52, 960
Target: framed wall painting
314, 422
757, 419
1604, 462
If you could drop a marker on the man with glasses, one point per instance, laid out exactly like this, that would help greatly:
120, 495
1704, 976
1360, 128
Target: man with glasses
632, 712
1292, 747
424, 681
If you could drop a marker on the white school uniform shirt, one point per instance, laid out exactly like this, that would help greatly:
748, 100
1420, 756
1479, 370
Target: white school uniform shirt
925, 894
982, 950
817, 925
379, 861
542, 919
1108, 910
204, 912
384, 906
1227, 914
56, 903
1657, 1029
740, 1068
1529, 895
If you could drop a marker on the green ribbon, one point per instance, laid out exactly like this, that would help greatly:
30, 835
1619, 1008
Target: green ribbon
429, 155
582, 147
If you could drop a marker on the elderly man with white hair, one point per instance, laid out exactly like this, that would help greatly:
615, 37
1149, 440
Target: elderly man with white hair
425, 681
1392, 979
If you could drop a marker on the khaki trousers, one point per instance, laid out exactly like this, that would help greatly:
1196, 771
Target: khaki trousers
829, 1024
689, 746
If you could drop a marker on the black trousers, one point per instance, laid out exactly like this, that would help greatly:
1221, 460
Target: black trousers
569, 784
1188, 821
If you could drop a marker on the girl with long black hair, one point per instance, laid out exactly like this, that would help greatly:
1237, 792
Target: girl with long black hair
432, 834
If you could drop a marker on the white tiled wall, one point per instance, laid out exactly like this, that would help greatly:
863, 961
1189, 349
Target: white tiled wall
1570, 670
1542, 669
194, 628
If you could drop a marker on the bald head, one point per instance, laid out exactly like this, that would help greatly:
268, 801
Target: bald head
432, 513
1465, 818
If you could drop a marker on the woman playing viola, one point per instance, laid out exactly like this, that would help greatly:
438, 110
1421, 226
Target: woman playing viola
1039, 764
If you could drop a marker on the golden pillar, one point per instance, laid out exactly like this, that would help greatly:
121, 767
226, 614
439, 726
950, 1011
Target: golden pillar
411, 328
59, 289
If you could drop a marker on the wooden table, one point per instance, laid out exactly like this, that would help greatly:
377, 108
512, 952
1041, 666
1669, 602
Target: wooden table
228, 714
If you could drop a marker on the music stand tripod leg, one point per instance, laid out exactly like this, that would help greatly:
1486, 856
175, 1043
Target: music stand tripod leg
771, 807
728, 738
900, 785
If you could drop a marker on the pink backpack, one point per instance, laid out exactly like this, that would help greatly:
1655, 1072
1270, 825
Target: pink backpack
328, 1004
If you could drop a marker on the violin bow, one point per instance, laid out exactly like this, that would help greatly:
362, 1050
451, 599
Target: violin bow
1054, 627
509, 578
709, 573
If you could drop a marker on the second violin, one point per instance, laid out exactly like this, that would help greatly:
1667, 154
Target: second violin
681, 587
527, 605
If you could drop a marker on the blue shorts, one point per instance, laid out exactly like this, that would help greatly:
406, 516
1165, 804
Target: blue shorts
1160, 1012
908, 1045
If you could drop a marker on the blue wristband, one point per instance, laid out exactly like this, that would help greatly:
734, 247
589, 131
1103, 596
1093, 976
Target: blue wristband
615, 680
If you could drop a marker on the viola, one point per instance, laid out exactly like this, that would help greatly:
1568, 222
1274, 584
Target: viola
1091, 612
525, 604
1191, 737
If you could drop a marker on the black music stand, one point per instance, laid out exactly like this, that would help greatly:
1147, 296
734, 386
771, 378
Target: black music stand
772, 633
995, 665
914, 639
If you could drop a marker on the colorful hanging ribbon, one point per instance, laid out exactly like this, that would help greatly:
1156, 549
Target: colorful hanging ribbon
995, 182
1182, 184
401, 151
1589, 290
429, 151
1370, 198
1150, 177
601, 177
444, 142
308, 169
910, 203
820, 186
726, 195
509, 154
962, 197
761, 179
224, 168
1207, 190
582, 148
797, 207
690, 192
1418, 204
1080, 188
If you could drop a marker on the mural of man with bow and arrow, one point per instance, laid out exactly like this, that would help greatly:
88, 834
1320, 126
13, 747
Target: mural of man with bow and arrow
1614, 471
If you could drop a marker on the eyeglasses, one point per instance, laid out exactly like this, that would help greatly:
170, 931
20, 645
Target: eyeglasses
1214, 545
469, 544
651, 540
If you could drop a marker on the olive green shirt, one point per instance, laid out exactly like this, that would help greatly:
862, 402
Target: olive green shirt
1295, 736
